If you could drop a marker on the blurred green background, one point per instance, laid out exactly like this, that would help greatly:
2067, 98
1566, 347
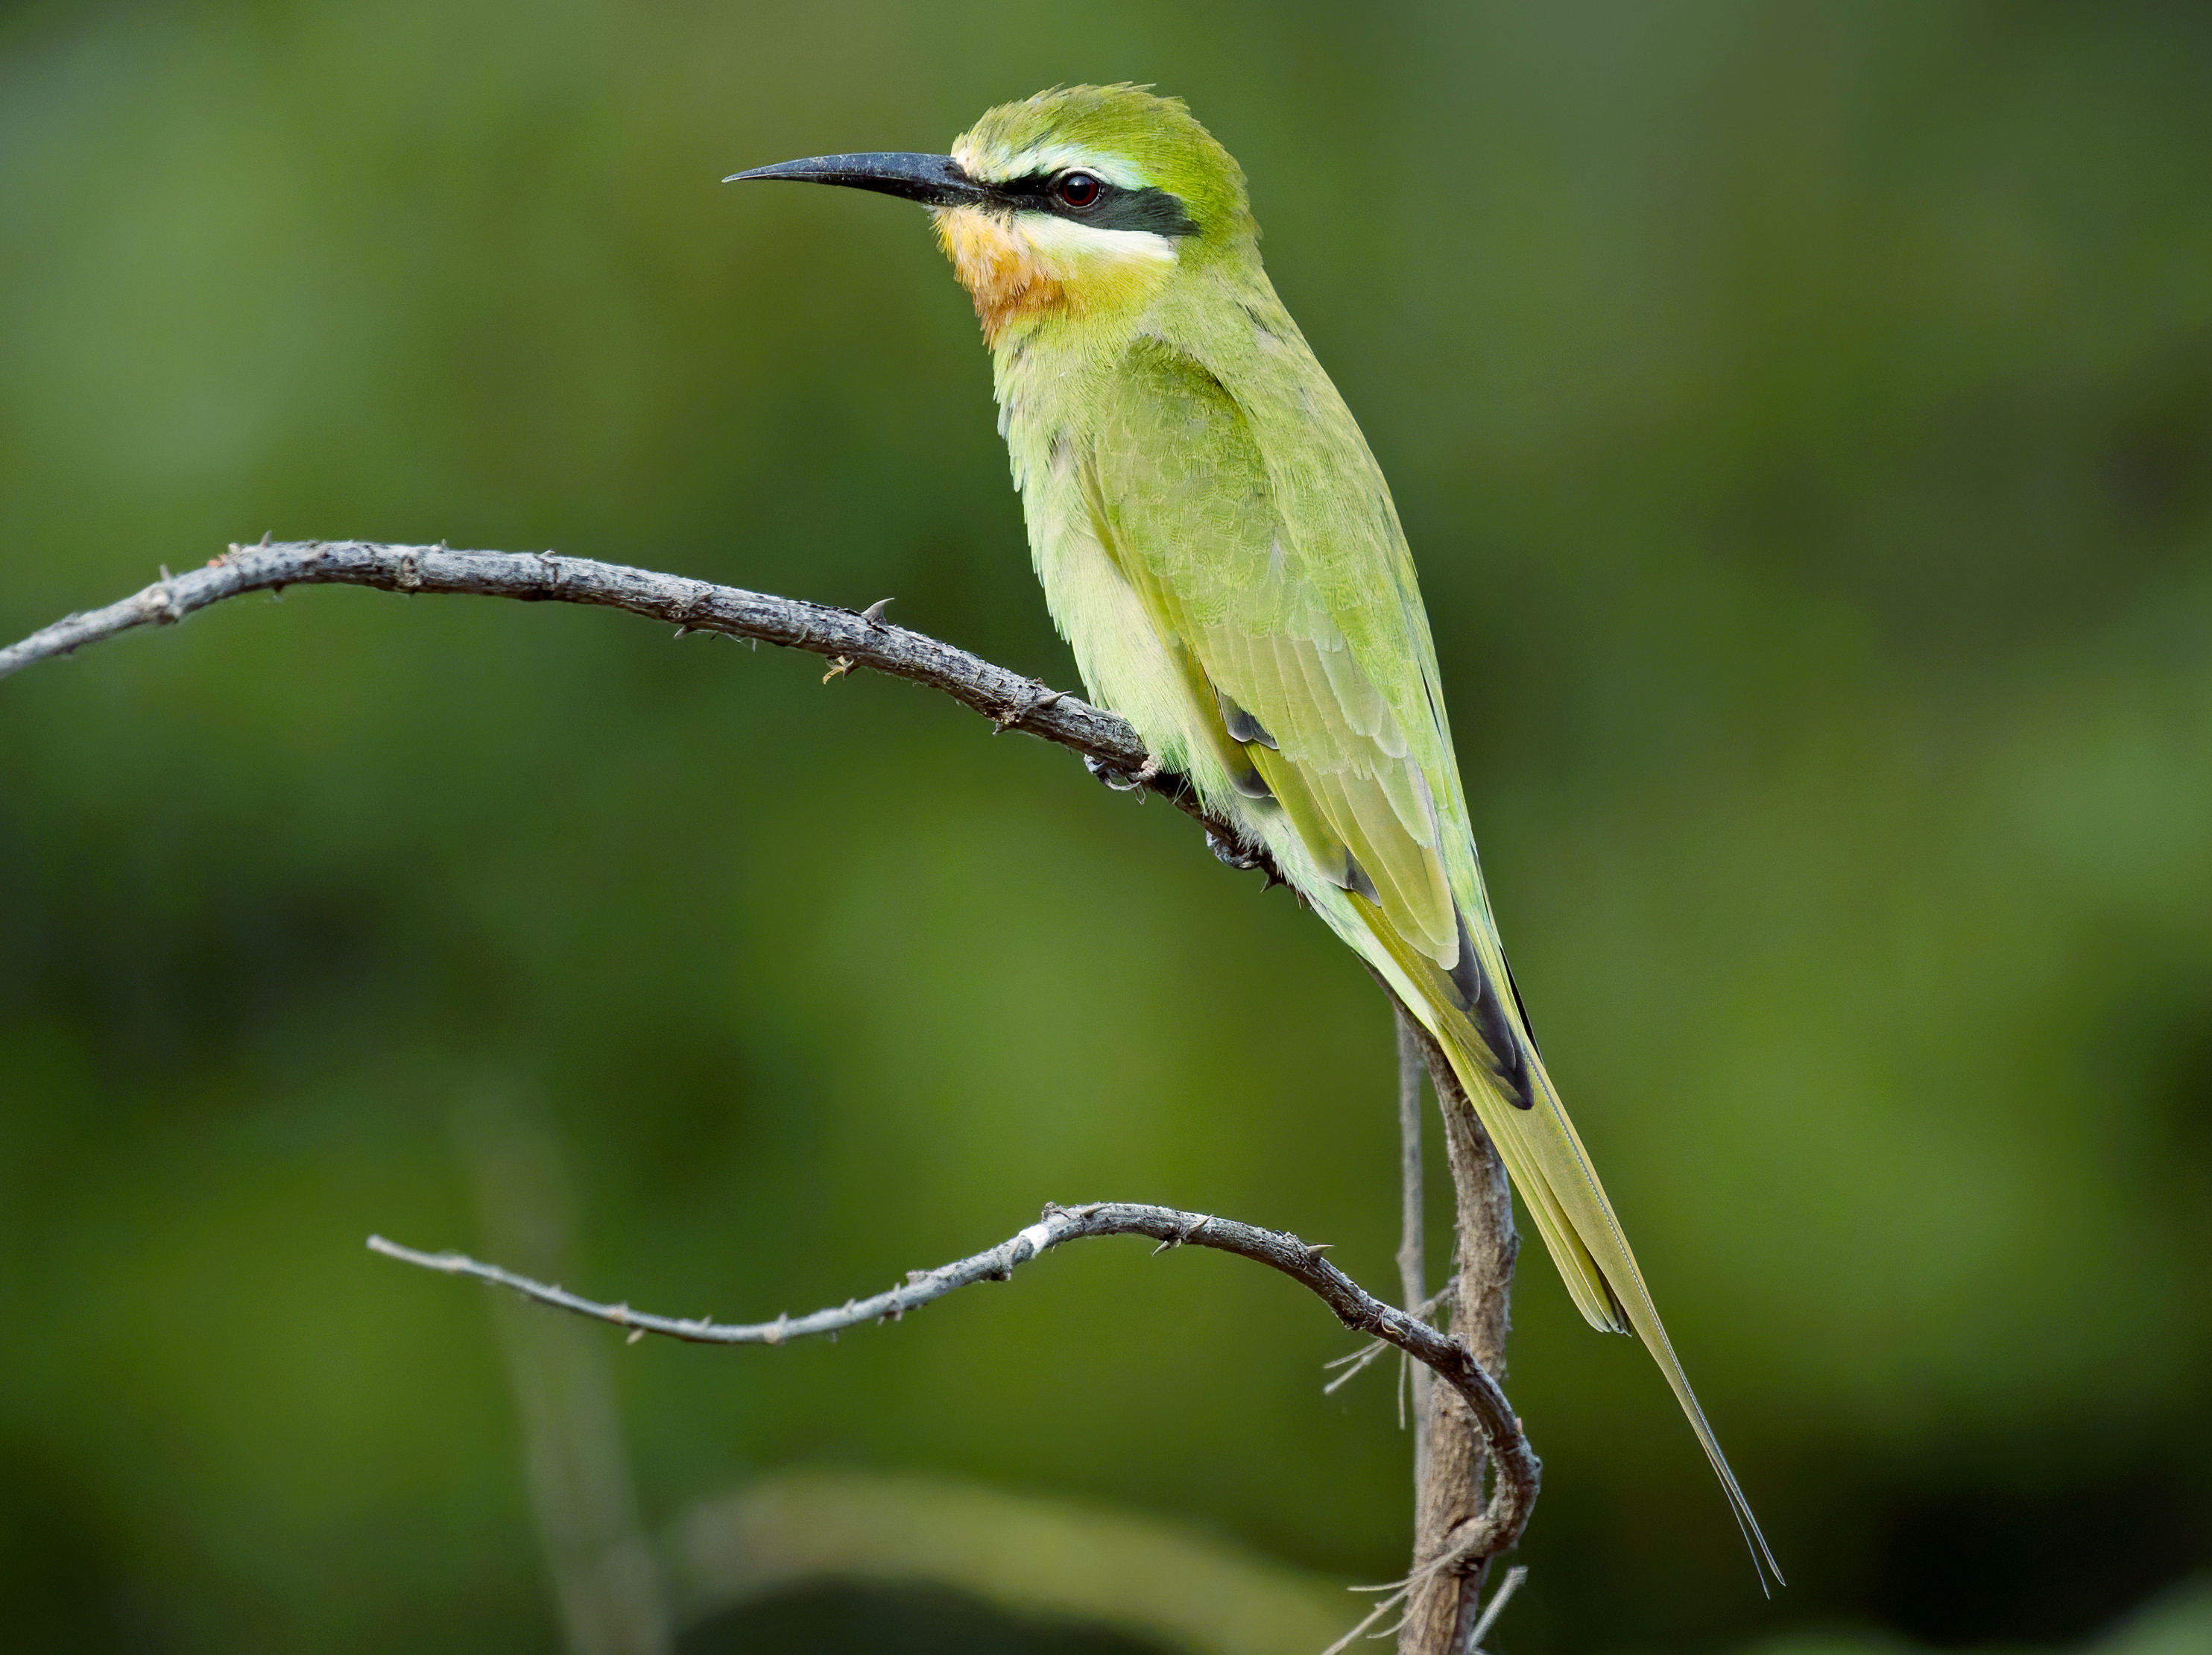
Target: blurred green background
1802, 415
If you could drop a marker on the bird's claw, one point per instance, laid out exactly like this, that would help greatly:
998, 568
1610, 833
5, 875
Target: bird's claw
1233, 854
1120, 780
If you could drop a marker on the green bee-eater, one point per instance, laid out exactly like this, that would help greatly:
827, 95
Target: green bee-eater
1219, 549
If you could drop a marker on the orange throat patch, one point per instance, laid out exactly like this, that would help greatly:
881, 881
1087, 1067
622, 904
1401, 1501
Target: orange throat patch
1004, 272
1014, 276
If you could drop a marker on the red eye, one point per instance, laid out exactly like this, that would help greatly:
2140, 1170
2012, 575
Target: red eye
1078, 189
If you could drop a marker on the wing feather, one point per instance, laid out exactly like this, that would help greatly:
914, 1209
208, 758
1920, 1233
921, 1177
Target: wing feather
1259, 602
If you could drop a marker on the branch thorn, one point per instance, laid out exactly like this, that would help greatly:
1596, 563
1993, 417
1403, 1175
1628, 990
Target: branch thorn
1036, 703
1183, 1234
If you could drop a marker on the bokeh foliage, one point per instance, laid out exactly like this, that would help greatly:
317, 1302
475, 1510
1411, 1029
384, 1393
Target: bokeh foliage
1802, 414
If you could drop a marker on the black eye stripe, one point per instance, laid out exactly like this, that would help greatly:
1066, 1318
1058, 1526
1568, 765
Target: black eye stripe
1111, 208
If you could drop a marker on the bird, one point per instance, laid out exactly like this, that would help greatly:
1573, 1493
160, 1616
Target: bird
1218, 548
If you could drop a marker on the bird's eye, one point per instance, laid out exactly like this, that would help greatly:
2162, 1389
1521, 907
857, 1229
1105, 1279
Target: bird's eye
1078, 189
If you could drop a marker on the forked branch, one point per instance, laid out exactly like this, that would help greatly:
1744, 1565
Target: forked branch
1518, 1468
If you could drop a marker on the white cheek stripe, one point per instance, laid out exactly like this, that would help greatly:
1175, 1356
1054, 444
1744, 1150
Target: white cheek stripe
1063, 238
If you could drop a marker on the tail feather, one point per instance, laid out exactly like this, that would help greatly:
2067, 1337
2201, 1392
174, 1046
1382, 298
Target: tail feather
1585, 1280
1519, 1108
1558, 1184
1560, 1190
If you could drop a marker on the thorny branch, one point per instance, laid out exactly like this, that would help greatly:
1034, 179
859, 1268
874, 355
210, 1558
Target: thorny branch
1413, 1265
1112, 750
850, 639
1520, 1470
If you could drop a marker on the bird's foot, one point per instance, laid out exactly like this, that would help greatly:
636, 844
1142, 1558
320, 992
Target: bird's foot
1123, 780
1234, 854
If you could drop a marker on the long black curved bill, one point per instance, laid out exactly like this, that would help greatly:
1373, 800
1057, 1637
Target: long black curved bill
933, 181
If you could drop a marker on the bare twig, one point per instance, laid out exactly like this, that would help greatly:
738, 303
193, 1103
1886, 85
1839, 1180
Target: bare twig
1451, 1558
1413, 1265
1519, 1470
849, 639
1495, 1608
1356, 1362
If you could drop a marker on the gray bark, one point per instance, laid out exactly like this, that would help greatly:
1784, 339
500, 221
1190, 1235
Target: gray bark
1461, 1427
